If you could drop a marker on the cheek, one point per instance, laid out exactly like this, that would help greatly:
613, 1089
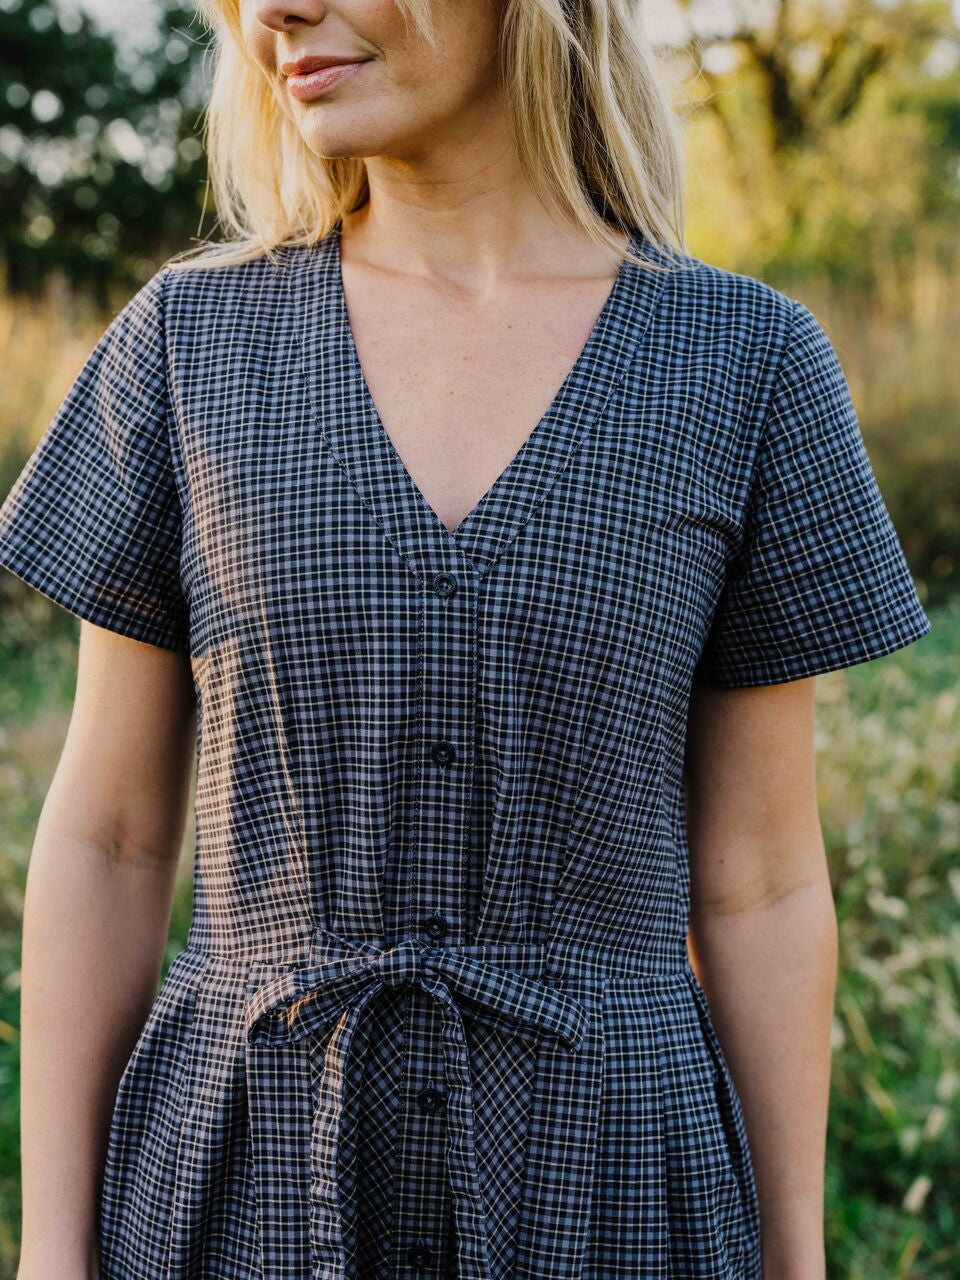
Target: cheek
448, 80
458, 65
259, 42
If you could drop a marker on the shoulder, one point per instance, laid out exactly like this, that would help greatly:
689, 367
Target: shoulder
230, 332
742, 338
730, 307
777, 337
216, 293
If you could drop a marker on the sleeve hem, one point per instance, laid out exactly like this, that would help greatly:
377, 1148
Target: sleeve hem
782, 668
89, 607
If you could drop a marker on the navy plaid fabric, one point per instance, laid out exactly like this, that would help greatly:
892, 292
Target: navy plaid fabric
435, 1014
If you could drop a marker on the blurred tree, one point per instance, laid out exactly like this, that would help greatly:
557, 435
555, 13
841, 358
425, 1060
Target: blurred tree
811, 62
101, 168
824, 138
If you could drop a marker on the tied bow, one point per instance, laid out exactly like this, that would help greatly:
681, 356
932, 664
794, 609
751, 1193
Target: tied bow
309, 997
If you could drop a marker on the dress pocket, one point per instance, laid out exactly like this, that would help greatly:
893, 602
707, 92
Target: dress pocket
669, 1196
630, 1224
144, 1132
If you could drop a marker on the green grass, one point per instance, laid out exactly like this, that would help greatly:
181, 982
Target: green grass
888, 776
888, 771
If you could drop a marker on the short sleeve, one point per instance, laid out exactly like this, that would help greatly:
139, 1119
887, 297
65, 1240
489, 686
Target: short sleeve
820, 580
94, 519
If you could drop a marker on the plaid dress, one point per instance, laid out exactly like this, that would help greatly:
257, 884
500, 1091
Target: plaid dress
435, 1015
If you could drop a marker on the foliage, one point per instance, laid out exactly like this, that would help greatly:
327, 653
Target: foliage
889, 781
100, 165
826, 146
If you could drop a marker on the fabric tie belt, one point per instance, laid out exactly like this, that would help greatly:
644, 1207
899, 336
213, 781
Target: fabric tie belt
308, 997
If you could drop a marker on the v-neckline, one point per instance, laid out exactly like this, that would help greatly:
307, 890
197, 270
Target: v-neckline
503, 478
350, 425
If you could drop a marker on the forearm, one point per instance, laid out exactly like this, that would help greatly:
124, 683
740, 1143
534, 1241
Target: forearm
94, 930
770, 977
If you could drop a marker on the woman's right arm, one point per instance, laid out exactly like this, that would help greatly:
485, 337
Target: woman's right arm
96, 918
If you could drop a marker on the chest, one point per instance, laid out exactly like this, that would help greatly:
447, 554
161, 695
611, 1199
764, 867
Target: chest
587, 521
459, 385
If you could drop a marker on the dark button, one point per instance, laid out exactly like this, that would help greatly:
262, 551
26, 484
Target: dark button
444, 584
436, 926
420, 1255
442, 753
429, 1099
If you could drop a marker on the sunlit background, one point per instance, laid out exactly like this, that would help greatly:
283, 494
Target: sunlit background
823, 155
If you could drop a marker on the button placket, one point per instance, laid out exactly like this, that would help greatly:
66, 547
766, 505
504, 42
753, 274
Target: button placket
436, 882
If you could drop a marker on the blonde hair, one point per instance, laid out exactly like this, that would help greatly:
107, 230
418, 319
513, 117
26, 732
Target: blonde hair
595, 131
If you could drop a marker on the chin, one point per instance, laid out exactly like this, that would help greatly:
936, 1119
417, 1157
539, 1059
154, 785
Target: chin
346, 143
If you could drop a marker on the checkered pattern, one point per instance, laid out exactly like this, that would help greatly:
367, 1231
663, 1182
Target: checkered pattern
435, 1016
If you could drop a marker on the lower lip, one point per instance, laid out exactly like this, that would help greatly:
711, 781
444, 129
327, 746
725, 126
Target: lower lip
306, 88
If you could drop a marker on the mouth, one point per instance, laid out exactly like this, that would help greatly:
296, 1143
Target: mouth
307, 87
317, 62
312, 76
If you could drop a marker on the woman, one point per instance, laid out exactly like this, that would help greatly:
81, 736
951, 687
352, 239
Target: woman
497, 563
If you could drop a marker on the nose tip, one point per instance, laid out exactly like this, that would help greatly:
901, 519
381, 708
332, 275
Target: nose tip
400, 964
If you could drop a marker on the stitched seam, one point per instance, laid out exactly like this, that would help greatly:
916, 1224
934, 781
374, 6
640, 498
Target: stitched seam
171, 425
318, 423
586, 430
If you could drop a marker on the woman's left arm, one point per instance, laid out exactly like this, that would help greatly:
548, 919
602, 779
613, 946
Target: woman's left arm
763, 941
